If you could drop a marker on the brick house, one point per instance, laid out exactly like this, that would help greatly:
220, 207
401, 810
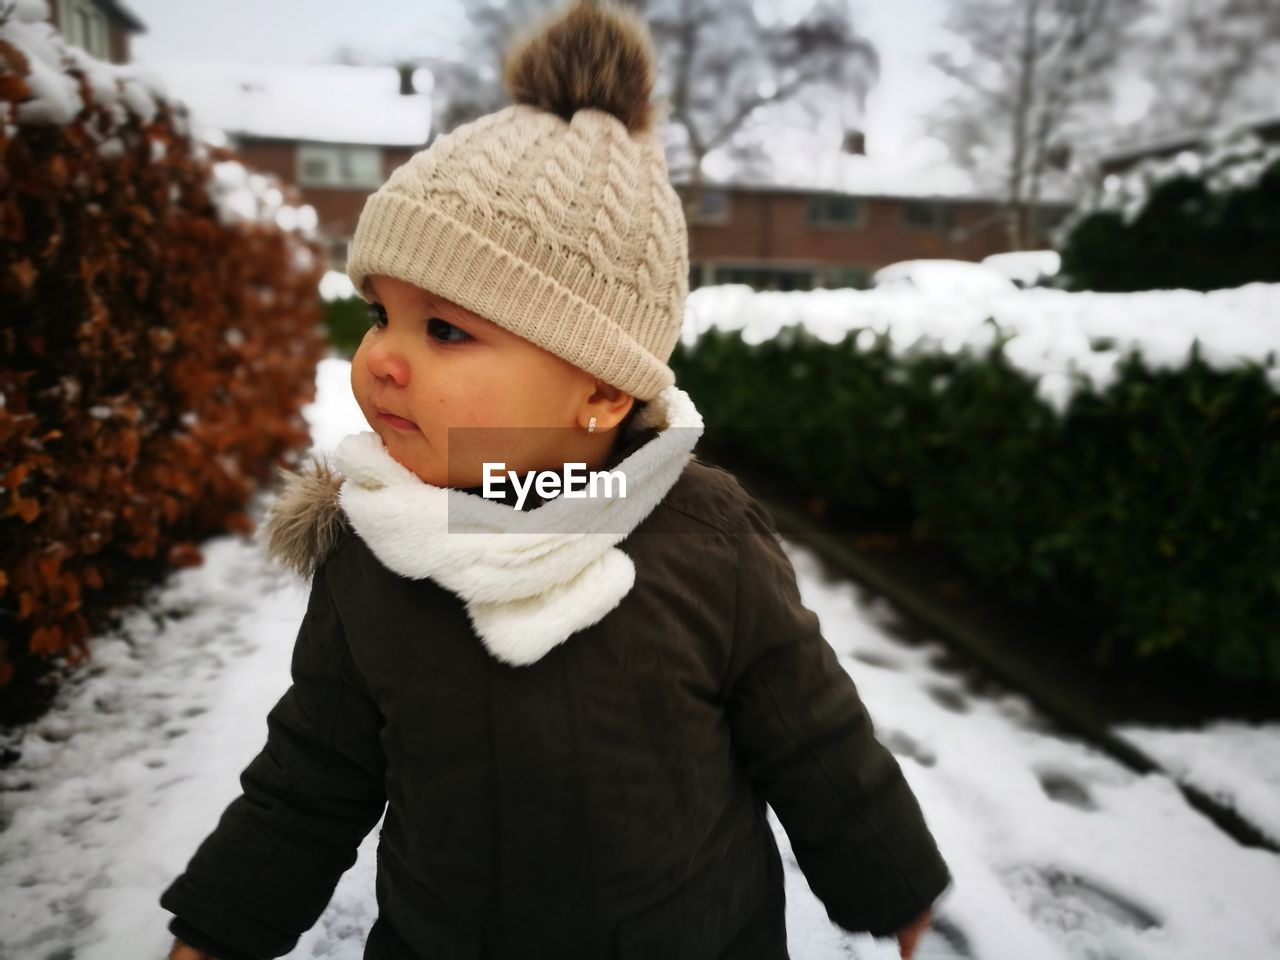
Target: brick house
781, 238
333, 130
101, 27
337, 132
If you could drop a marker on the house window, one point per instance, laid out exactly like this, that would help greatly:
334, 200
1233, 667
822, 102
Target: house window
766, 277
1051, 217
713, 204
856, 277
923, 214
338, 247
85, 26
339, 165
834, 210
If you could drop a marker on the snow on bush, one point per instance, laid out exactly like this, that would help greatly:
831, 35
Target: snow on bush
336, 285
1026, 268
1052, 335
1232, 158
30, 45
957, 278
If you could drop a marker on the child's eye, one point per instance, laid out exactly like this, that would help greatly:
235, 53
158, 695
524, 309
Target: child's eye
441, 329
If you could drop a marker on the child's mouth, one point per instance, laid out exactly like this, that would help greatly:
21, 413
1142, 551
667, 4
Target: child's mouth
400, 423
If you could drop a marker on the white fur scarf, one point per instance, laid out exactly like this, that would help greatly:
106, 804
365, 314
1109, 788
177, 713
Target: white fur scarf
529, 578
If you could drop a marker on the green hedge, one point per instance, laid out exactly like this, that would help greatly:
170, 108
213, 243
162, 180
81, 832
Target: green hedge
1187, 235
346, 321
1149, 510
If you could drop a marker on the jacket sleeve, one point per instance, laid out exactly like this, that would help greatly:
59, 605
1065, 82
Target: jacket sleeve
315, 790
204, 943
808, 745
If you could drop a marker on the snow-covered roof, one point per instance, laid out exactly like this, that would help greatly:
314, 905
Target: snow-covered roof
122, 15
330, 103
914, 169
1172, 141
906, 190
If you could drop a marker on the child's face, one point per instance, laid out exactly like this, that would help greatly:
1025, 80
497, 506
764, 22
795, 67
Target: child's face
438, 365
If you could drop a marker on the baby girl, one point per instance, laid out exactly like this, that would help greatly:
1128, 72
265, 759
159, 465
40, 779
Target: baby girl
569, 710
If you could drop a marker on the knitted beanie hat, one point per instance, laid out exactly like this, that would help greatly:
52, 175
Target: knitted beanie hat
553, 217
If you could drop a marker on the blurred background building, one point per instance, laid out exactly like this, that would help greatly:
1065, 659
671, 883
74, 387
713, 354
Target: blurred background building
336, 130
102, 27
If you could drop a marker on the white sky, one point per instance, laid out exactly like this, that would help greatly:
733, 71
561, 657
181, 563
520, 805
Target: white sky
900, 157
294, 31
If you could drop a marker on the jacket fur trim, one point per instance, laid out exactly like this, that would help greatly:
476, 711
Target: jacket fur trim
305, 520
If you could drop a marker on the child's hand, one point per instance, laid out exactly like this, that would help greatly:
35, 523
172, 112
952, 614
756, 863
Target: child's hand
908, 935
181, 951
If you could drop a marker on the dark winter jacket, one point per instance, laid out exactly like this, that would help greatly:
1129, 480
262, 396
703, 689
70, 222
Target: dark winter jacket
605, 800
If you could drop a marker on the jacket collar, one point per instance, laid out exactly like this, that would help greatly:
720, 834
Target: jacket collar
529, 578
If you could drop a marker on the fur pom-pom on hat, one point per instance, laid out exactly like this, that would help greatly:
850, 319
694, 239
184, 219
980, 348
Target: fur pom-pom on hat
591, 55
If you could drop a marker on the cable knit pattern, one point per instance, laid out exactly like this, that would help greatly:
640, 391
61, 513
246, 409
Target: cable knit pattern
567, 233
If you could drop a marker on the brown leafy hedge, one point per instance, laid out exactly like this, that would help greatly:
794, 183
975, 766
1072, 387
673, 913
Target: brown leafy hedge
154, 359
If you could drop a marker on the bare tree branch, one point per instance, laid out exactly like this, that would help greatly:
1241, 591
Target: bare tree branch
1036, 75
719, 63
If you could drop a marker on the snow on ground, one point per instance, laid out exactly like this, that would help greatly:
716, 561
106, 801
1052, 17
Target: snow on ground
953, 307
140, 758
145, 748
1236, 763
1057, 851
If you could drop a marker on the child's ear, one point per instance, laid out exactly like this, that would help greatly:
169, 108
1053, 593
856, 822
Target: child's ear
609, 405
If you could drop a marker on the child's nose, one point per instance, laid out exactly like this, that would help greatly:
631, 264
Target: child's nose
385, 362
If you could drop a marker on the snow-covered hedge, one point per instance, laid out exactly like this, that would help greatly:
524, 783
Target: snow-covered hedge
1112, 458
161, 330
1203, 219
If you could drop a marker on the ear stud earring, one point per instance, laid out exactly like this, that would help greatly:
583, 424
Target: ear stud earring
591, 427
